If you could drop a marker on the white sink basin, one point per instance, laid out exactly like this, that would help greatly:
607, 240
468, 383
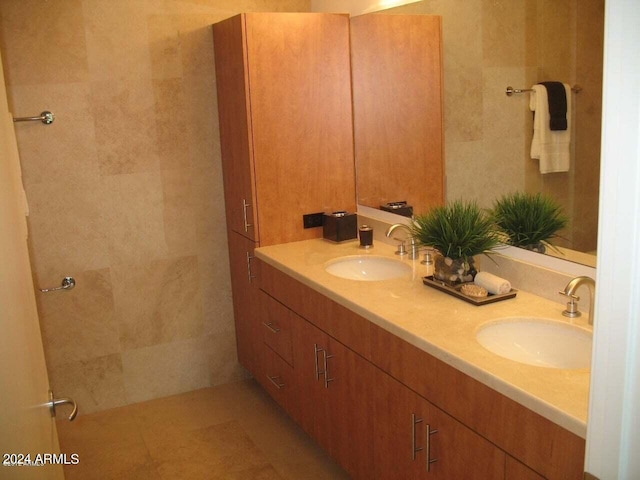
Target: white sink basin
367, 268
537, 341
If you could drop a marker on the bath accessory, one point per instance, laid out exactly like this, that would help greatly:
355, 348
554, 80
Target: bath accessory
551, 147
454, 291
510, 90
472, 290
366, 236
569, 292
492, 283
45, 117
54, 402
399, 208
339, 226
428, 262
414, 252
67, 284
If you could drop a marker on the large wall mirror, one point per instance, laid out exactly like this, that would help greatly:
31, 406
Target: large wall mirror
487, 46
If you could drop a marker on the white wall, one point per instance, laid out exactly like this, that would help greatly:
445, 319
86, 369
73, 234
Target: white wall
613, 430
355, 7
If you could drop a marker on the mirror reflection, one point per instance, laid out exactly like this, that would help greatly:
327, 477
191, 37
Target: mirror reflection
487, 46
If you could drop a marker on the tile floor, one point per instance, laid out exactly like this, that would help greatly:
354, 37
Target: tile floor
231, 432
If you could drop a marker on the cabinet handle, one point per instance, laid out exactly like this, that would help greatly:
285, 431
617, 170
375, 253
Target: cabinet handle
414, 449
244, 215
317, 349
326, 369
250, 275
427, 447
271, 327
275, 382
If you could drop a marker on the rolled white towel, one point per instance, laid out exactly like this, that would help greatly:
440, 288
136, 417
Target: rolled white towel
492, 283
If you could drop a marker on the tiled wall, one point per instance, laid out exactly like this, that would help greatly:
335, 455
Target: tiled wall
491, 44
125, 191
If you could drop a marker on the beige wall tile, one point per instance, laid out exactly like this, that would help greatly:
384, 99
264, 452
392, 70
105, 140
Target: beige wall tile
223, 360
79, 324
166, 369
503, 116
217, 304
68, 229
503, 33
135, 208
125, 126
95, 384
173, 143
179, 211
117, 50
44, 42
64, 150
158, 302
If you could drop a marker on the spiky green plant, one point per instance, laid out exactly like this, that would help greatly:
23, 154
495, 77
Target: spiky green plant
528, 219
458, 230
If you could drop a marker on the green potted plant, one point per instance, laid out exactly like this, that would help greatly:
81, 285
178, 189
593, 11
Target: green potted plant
457, 231
528, 220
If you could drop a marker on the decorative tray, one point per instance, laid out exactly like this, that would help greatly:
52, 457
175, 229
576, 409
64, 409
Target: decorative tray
455, 292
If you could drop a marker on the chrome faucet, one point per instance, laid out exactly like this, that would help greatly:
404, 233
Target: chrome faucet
569, 292
413, 254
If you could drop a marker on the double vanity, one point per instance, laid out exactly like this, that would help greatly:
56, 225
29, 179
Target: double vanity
495, 417
388, 375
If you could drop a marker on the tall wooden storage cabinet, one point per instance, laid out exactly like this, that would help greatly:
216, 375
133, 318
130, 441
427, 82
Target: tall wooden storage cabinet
286, 135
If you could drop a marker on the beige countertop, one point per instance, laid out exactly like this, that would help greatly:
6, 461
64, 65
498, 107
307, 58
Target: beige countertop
444, 326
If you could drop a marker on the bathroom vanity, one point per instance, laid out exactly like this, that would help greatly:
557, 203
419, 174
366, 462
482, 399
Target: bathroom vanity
387, 376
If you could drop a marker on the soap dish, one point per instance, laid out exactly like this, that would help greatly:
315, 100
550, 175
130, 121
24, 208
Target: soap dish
455, 291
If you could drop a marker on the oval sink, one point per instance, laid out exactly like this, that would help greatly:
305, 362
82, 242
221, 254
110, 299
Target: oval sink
537, 341
367, 268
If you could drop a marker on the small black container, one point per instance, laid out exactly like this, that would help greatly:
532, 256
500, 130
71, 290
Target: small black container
340, 226
366, 236
399, 208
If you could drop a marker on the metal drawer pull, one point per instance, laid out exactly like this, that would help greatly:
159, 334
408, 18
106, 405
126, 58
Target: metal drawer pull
428, 447
317, 349
414, 449
244, 215
54, 402
250, 275
326, 369
271, 327
275, 382
67, 284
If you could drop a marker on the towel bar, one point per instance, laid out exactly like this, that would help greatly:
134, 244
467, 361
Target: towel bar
45, 117
510, 90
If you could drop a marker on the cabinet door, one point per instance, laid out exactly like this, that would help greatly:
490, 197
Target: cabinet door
235, 127
337, 409
415, 439
518, 471
300, 78
246, 301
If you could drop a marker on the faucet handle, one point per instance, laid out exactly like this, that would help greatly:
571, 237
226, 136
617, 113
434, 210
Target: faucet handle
572, 305
570, 296
402, 250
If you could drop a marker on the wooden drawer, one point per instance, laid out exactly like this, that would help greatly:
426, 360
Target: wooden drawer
276, 323
278, 379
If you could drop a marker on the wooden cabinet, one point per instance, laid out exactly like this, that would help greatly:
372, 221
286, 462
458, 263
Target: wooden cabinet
514, 470
246, 308
414, 439
336, 387
284, 102
398, 109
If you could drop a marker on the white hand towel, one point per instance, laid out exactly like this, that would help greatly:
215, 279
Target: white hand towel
492, 283
552, 148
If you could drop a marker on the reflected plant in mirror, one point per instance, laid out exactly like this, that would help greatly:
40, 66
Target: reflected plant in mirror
528, 220
458, 231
